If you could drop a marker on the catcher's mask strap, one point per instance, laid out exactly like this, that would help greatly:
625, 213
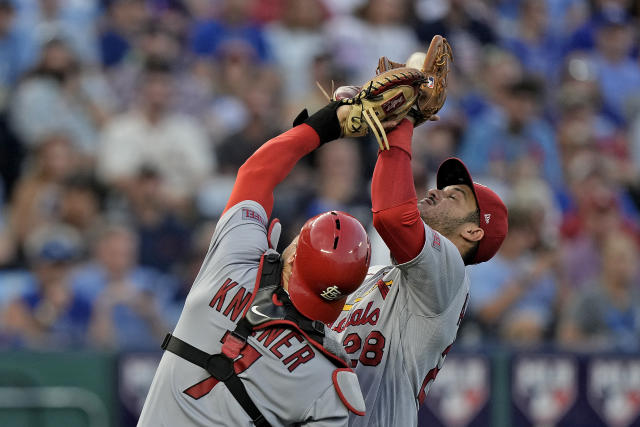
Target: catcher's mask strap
221, 368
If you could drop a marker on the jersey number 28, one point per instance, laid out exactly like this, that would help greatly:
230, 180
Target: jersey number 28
372, 350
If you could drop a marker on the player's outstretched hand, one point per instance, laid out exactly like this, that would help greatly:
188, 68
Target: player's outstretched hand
379, 104
434, 63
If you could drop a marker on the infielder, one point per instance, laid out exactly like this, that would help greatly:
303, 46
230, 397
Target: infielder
398, 327
286, 374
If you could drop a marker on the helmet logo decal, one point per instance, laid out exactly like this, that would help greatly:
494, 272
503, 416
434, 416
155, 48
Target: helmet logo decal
331, 293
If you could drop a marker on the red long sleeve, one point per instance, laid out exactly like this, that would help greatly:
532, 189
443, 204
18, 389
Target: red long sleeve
393, 197
270, 164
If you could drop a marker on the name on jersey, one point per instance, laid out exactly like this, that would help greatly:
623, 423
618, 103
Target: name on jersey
268, 337
237, 303
359, 317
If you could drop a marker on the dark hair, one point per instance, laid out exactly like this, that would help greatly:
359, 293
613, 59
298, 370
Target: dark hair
529, 86
85, 182
6, 6
471, 253
473, 217
154, 65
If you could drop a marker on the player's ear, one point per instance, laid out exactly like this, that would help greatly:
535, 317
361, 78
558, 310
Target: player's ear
472, 232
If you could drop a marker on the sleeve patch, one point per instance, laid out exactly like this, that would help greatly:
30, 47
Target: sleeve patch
347, 386
251, 215
436, 241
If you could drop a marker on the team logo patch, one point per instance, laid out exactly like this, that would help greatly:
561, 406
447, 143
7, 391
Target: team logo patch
436, 241
251, 215
461, 390
544, 387
614, 390
332, 293
430, 82
393, 103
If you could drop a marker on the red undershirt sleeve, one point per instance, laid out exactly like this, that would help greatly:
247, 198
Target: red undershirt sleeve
270, 164
393, 197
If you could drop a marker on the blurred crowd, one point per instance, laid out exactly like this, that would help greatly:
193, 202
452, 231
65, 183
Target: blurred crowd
123, 123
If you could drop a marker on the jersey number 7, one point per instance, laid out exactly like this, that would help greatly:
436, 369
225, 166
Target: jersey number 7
247, 357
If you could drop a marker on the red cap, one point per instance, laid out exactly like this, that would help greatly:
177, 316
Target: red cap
493, 212
331, 261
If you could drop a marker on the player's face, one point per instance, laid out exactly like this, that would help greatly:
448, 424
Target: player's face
287, 257
445, 210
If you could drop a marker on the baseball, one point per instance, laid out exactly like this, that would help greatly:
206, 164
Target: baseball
344, 92
416, 60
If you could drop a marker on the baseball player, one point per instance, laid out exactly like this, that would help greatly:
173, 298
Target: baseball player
245, 353
398, 327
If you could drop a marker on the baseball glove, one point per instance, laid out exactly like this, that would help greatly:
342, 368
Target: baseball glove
387, 97
435, 66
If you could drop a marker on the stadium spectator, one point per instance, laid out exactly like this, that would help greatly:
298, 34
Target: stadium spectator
126, 297
123, 20
232, 28
485, 93
460, 21
260, 125
49, 314
193, 86
163, 237
616, 72
81, 100
295, 42
71, 21
512, 298
595, 211
339, 183
607, 314
81, 204
376, 29
533, 41
469, 26
14, 50
496, 143
151, 135
37, 194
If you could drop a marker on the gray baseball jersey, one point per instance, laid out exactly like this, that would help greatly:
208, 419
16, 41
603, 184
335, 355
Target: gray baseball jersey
398, 328
289, 380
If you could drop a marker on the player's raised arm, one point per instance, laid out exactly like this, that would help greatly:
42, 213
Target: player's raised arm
393, 197
272, 162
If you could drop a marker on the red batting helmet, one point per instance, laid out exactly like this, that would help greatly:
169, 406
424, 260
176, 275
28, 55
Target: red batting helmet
331, 261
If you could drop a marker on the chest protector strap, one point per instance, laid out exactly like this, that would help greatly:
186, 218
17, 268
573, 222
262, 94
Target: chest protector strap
270, 306
221, 368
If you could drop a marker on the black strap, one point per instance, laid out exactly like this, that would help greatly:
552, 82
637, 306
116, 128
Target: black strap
221, 368
313, 328
271, 275
325, 122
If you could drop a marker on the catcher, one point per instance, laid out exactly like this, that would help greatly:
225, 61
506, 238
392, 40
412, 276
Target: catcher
250, 346
398, 327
